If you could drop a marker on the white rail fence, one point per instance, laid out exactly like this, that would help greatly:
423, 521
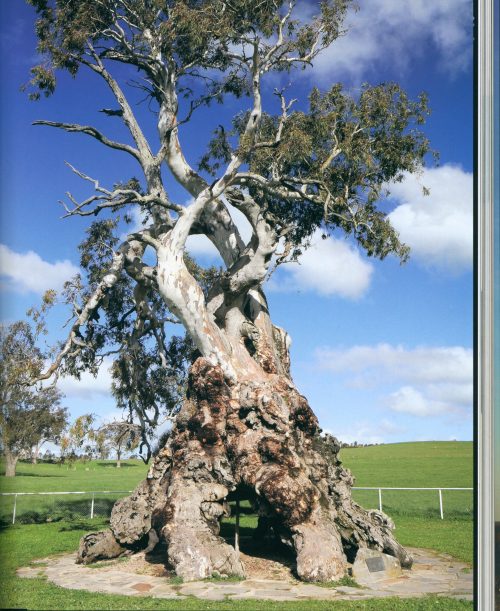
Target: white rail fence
439, 491
98, 503
94, 503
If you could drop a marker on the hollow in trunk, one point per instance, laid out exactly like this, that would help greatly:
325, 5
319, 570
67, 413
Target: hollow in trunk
254, 437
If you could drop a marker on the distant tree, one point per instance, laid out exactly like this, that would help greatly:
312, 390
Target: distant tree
121, 437
78, 442
101, 445
49, 426
30, 415
49, 456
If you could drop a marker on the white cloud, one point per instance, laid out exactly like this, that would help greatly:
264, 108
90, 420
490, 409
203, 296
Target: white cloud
88, 387
328, 267
429, 381
397, 32
200, 245
139, 221
364, 431
409, 400
422, 364
28, 272
438, 227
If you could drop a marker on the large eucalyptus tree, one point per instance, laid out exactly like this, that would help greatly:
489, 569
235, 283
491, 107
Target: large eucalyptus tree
243, 427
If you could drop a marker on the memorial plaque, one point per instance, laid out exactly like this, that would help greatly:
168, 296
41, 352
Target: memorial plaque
375, 564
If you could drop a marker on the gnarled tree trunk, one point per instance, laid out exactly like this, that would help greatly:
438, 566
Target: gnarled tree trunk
244, 427
251, 434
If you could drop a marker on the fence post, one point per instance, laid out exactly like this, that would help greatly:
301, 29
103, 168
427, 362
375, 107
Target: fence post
441, 503
237, 528
380, 499
14, 512
92, 507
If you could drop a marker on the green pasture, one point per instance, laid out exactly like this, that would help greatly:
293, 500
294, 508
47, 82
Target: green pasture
94, 476
443, 464
422, 464
91, 475
48, 525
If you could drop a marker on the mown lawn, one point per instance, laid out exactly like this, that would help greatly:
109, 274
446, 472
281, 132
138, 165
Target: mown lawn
21, 544
45, 477
446, 464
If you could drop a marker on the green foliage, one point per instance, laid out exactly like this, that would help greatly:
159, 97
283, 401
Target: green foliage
120, 436
194, 34
343, 154
29, 414
325, 169
79, 439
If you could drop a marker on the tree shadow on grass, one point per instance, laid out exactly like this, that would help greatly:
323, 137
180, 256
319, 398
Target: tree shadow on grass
86, 525
21, 474
112, 464
74, 511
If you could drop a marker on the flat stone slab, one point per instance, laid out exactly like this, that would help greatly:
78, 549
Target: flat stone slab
432, 573
371, 566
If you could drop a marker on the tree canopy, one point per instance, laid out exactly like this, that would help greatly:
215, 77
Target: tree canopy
291, 166
29, 415
120, 436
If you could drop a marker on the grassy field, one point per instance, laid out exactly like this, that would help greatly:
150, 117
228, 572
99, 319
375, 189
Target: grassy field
94, 475
416, 513
415, 465
21, 544
419, 464
398, 465
44, 477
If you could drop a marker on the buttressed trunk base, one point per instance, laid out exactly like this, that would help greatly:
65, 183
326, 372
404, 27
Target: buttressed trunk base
258, 439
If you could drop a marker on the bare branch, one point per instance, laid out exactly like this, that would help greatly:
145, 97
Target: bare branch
74, 343
145, 156
112, 199
92, 131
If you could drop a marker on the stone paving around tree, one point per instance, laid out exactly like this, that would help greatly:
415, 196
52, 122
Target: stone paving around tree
432, 573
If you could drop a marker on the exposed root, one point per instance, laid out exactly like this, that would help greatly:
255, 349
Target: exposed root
258, 437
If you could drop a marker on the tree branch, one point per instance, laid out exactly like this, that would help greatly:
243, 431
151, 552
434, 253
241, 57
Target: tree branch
145, 155
251, 269
92, 131
74, 344
112, 199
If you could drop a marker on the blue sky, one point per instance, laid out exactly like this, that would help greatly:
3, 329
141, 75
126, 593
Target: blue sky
382, 351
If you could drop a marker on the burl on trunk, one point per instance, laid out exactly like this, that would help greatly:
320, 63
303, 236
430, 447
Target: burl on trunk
259, 437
